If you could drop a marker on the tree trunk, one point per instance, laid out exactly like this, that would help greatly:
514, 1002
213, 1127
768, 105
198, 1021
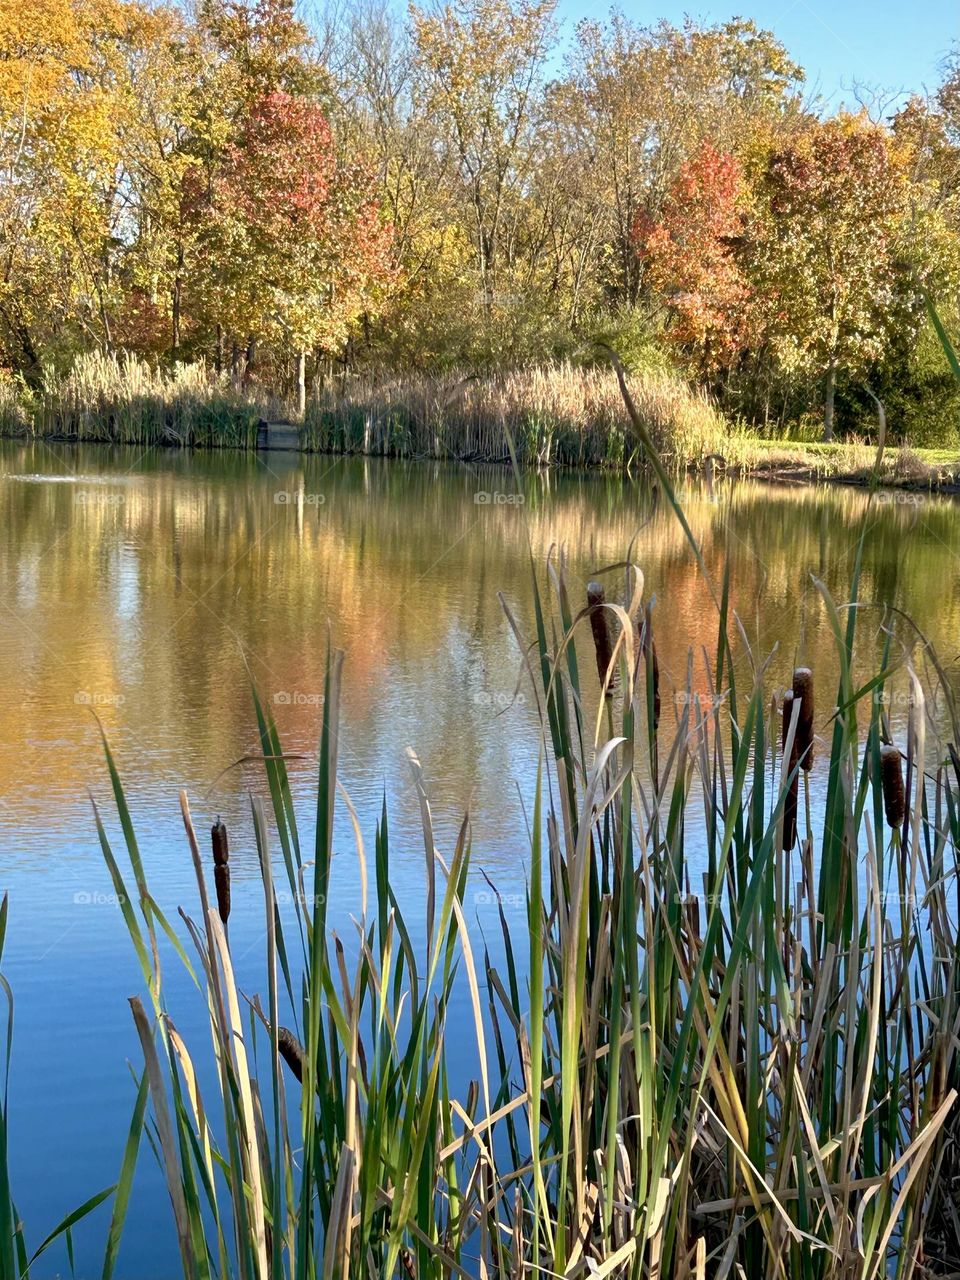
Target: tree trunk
301, 385
175, 318
248, 375
829, 389
177, 303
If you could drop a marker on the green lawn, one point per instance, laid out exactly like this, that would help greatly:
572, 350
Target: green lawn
799, 459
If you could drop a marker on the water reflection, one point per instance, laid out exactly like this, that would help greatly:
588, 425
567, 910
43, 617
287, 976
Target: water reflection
152, 589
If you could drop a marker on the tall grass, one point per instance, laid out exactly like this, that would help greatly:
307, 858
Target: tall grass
126, 401
721, 1051
558, 414
561, 414
15, 419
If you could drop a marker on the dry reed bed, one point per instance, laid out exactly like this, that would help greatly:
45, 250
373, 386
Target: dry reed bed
124, 400
556, 415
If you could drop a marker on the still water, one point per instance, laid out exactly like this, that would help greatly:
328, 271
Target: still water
154, 589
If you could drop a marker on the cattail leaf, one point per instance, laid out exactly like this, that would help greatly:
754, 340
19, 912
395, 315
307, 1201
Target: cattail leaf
125, 1182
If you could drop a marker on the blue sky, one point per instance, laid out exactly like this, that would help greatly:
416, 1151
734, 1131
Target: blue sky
888, 44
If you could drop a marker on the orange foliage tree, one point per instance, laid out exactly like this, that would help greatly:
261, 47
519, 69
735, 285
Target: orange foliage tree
297, 247
689, 258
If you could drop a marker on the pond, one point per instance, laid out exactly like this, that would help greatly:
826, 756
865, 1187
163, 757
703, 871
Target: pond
155, 589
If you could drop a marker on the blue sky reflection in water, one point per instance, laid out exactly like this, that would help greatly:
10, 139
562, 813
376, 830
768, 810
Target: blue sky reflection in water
152, 589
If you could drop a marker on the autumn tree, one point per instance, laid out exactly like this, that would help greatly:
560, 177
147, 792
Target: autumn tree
297, 249
202, 181
479, 66
690, 258
379, 116
824, 250
641, 100
61, 98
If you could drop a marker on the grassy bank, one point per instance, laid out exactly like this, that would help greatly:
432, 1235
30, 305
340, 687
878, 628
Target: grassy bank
724, 1043
853, 462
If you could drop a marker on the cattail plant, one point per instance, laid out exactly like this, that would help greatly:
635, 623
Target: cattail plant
803, 741
789, 767
568, 1170
221, 868
654, 1125
891, 773
602, 640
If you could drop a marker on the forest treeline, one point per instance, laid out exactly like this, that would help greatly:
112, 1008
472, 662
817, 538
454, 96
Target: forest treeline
458, 187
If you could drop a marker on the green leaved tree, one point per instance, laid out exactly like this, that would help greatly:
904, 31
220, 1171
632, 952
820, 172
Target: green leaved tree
824, 255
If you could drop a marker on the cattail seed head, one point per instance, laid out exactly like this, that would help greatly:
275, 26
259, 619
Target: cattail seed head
803, 689
600, 625
291, 1051
221, 851
789, 766
649, 649
891, 775
221, 877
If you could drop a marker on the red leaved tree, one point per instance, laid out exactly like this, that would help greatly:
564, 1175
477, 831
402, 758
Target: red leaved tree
689, 259
299, 249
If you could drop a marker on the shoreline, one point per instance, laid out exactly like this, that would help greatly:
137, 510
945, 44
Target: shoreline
935, 472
